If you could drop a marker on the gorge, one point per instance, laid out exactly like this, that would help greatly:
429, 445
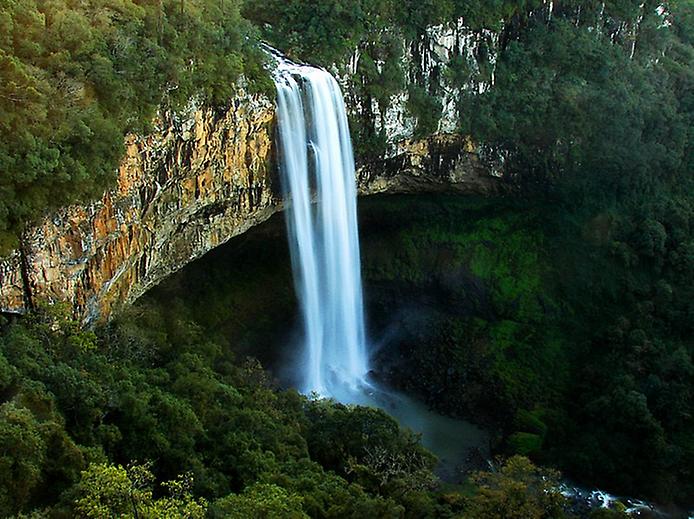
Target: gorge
192, 257
204, 174
202, 177
316, 150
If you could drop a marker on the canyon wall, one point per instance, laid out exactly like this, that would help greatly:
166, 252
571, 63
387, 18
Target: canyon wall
444, 63
206, 175
200, 178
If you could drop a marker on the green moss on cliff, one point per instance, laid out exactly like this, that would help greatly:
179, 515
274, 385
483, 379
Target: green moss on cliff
485, 268
568, 331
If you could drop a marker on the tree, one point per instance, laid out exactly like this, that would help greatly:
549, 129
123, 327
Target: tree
260, 501
517, 490
113, 491
22, 455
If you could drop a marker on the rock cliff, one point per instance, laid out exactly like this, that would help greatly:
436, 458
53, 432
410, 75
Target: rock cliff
442, 62
200, 178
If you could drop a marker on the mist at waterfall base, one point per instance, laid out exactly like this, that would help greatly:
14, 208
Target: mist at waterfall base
315, 156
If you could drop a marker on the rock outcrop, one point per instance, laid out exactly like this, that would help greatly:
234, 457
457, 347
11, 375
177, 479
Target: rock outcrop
199, 179
442, 162
428, 60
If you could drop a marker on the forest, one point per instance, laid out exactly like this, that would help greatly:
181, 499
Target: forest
568, 330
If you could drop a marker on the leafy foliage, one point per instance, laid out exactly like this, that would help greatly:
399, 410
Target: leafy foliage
518, 490
77, 408
261, 500
77, 76
107, 490
567, 105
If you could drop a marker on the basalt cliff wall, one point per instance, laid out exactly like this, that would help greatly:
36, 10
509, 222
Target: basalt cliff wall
200, 178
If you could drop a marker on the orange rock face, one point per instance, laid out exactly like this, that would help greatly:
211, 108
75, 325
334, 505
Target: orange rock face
198, 180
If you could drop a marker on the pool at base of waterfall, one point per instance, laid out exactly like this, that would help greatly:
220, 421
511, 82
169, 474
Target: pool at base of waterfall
460, 446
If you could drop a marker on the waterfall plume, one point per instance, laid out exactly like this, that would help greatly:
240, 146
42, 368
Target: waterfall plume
317, 167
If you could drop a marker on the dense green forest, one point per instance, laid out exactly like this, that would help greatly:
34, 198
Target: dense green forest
153, 418
562, 315
76, 76
513, 314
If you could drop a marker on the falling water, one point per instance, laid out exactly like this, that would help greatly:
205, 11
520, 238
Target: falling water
317, 166
316, 157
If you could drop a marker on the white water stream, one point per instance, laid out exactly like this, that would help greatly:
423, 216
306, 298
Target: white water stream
317, 167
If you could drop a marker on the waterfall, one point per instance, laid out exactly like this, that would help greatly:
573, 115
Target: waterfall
318, 177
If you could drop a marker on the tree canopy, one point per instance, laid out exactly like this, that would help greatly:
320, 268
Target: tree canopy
76, 76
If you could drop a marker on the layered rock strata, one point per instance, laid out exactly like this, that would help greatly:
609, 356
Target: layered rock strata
200, 178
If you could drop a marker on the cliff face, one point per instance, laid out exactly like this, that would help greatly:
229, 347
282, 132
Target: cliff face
199, 179
442, 62
442, 162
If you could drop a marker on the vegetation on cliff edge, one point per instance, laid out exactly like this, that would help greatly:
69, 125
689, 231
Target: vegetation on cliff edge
76, 76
